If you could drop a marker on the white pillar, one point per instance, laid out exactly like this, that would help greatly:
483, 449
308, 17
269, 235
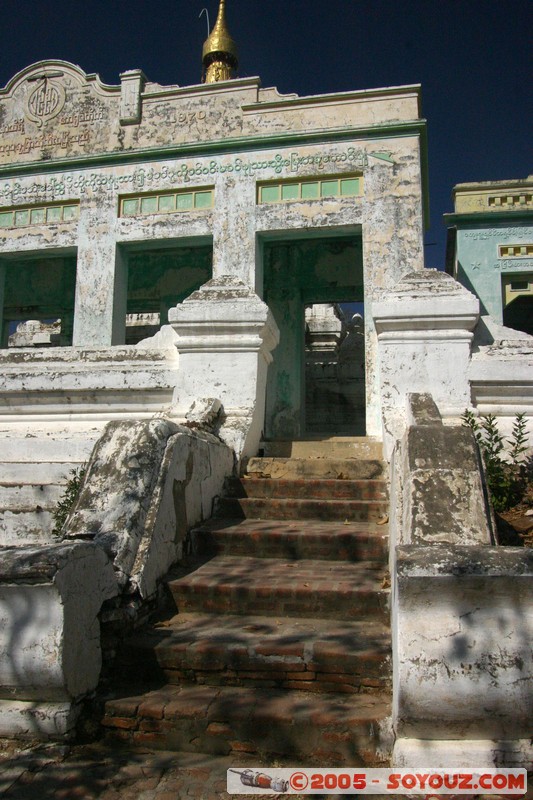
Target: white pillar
99, 315
234, 247
225, 338
424, 328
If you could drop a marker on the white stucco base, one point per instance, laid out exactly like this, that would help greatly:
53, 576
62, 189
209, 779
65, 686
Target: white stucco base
468, 753
225, 335
50, 653
37, 719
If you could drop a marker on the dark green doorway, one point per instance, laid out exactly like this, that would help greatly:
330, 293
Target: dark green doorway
160, 278
38, 291
301, 273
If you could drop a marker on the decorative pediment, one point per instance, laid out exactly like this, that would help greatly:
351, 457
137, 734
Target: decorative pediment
53, 109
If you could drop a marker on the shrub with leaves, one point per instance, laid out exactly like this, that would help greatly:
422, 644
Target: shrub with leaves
506, 475
68, 498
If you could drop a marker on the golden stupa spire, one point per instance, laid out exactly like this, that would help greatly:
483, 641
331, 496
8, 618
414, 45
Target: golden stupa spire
219, 55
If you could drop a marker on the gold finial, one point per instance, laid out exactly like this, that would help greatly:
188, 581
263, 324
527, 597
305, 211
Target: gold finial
219, 55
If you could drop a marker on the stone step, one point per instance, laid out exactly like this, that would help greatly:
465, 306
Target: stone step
22, 445
248, 486
334, 728
325, 468
283, 508
336, 447
243, 585
25, 527
292, 539
39, 474
304, 654
30, 498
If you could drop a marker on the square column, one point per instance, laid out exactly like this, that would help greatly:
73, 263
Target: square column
225, 338
424, 328
101, 279
234, 246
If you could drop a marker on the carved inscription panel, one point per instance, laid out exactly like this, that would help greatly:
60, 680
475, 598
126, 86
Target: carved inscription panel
52, 111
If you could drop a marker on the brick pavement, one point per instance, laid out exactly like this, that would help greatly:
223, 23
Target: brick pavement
103, 772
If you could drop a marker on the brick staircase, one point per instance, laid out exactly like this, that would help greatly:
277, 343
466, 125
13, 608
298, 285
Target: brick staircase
281, 644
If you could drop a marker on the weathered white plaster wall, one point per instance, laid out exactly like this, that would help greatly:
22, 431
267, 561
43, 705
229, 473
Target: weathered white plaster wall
464, 665
50, 635
90, 118
425, 336
501, 375
36, 461
74, 382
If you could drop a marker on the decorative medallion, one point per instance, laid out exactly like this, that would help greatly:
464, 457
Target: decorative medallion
47, 98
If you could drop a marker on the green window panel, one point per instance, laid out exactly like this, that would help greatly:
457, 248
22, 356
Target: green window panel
203, 199
149, 205
38, 215
70, 213
329, 189
310, 190
290, 191
22, 217
167, 202
269, 194
350, 187
130, 208
185, 201
54, 214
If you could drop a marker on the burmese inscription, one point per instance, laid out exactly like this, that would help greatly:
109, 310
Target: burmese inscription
186, 172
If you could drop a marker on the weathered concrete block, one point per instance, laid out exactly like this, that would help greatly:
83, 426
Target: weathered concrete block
50, 654
463, 627
438, 493
32, 719
446, 753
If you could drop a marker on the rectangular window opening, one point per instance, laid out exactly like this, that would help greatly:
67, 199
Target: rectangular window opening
167, 202
26, 216
310, 189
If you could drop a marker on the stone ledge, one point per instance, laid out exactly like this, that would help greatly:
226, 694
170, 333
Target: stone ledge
38, 565
442, 561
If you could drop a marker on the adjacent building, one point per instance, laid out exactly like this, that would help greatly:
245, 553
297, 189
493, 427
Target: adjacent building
490, 248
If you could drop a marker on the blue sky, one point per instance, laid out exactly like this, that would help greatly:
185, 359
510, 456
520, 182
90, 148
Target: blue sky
472, 57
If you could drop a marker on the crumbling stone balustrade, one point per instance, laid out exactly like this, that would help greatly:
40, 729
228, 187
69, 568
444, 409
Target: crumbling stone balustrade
147, 481
462, 615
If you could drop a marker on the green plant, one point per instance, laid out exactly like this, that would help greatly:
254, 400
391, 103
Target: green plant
506, 474
68, 498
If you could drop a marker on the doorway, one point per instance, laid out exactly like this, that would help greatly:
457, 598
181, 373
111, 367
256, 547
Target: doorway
316, 383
